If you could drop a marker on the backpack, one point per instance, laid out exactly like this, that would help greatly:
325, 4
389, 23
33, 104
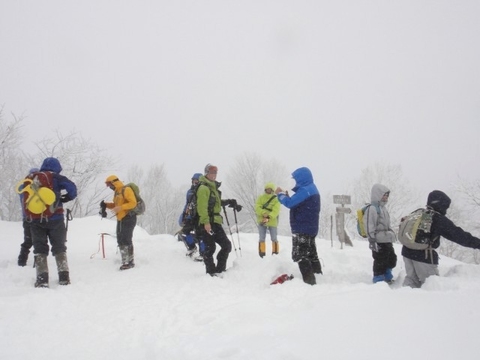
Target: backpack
39, 199
140, 208
360, 224
190, 215
414, 229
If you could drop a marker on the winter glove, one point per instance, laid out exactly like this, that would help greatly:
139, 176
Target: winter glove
103, 209
65, 198
373, 245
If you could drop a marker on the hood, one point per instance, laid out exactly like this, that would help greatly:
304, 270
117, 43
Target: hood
270, 185
378, 190
196, 176
439, 201
51, 164
303, 177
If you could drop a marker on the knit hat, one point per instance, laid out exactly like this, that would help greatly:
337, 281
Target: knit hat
32, 170
196, 176
209, 168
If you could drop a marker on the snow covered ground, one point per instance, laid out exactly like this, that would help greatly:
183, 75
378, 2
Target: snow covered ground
168, 308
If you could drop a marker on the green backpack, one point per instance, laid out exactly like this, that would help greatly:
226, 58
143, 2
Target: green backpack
140, 208
360, 225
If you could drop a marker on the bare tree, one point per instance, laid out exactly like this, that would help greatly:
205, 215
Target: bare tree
246, 180
13, 164
82, 162
163, 203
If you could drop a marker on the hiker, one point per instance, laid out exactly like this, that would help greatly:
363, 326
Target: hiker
304, 208
420, 264
49, 225
27, 231
267, 208
187, 233
209, 205
380, 235
123, 202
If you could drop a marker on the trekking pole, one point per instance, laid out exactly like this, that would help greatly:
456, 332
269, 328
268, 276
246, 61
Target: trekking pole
228, 224
69, 218
236, 227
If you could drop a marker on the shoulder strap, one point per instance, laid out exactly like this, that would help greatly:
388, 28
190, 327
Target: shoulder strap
264, 206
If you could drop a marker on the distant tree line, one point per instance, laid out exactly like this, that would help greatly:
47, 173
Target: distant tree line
86, 164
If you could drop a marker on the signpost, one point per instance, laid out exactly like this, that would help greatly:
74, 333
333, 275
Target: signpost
340, 217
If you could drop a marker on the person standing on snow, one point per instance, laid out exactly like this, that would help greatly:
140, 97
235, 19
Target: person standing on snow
209, 204
304, 208
267, 208
420, 264
187, 233
124, 201
51, 226
380, 236
27, 231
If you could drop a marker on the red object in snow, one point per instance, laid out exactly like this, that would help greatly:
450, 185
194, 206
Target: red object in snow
281, 279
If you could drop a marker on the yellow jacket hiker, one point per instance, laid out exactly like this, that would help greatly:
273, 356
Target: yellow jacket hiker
267, 208
123, 202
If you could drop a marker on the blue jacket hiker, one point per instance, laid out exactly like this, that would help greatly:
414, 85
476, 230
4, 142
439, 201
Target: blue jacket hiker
380, 235
188, 234
304, 208
48, 225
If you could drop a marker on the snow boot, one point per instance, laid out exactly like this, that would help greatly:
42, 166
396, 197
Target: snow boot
62, 267
378, 278
41, 265
131, 260
275, 247
23, 257
127, 257
389, 276
307, 272
261, 249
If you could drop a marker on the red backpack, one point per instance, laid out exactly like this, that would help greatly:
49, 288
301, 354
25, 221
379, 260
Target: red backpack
39, 198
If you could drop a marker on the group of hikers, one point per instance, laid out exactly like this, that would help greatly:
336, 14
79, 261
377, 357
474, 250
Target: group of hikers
44, 191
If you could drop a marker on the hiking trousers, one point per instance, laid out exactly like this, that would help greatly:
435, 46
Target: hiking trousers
125, 229
219, 237
45, 231
383, 259
418, 272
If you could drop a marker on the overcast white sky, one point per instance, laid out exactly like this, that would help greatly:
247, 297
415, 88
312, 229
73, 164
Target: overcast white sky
332, 85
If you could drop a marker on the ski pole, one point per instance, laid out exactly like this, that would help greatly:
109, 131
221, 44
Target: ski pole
238, 234
69, 218
228, 224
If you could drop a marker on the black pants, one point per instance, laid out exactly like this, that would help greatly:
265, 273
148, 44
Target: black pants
304, 252
219, 237
125, 229
384, 258
27, 237
51, 230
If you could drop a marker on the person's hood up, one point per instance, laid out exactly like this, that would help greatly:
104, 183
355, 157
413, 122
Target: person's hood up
439, 201
378, 190
270, 185
303, 177
51, 164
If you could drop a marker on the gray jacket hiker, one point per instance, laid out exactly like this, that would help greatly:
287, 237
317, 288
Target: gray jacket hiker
380, 235
377, 218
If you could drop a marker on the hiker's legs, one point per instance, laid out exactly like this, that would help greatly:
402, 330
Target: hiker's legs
262, 235
301, 253
26, 245
418, 272
225, 247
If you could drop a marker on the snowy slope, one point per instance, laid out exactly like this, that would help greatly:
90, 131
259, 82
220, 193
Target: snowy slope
167, 308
